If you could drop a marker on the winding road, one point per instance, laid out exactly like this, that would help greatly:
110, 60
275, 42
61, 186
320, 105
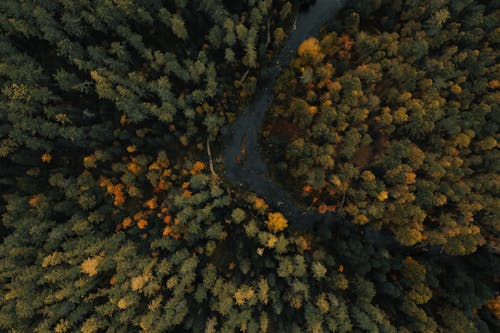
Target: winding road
251, 172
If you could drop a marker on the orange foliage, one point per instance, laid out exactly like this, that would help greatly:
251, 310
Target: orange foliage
46, 158
197, 168
142, 223
151, 203
494, 306
334, 86
131, 148
112, 281
127, 222
134, 167
348, 43
410, 178
89, 161
260, 204
123, 120
307, 188
382, 196
187, 193
115, 190
310, 47
35, 200
322, 208
168, 232
104, 182
494, 84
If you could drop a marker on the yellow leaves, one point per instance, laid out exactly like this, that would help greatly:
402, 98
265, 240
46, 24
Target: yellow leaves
404, 97
360, 219
400, 115
46, 157
62, 326
456, 89
89, 265
276, 222
122, 303
53, 259
309, 48
335, 181
440, 200
382, 196
313, 110
131, 149
243, 294
18, 91
368, 176
96, 76
334, 86
409, 236
271, 241
62, 118
410, 178
322, 303
138, 282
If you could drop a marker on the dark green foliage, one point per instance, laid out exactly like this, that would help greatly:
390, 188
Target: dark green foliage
113, 216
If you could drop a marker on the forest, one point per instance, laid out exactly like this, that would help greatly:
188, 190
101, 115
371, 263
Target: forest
115, 211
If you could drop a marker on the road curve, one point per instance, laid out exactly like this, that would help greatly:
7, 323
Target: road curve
251, 172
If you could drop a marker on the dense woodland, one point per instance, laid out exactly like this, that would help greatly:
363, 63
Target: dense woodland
394, 121
114, 213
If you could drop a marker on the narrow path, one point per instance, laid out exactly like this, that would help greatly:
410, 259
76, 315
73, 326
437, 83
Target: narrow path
251, 171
